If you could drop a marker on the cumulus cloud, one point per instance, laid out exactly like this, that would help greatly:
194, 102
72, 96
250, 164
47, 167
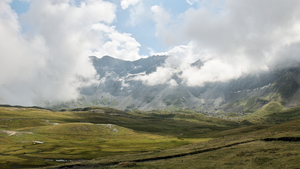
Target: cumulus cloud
185, 54
44, 54
233, 37
119, 45
140, 14
212, 71
126, 3
162, 75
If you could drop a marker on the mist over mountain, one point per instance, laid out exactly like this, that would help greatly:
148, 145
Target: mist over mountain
120, 86
213, 48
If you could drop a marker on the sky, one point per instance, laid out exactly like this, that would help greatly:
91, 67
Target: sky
134, 17
45, 45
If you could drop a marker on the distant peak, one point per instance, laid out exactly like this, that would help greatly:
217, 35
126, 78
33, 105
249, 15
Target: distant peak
106, 56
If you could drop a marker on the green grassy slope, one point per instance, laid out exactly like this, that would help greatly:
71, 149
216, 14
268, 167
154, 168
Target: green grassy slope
273, 113
31, 137
182, 124
240, 150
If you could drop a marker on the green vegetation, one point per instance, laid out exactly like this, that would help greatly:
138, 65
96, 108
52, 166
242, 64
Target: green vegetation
286, 85
238, 148
262, 116
38, 137
104, 137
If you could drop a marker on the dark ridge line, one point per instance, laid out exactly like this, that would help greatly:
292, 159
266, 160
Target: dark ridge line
191, 153
17, 106
287, 139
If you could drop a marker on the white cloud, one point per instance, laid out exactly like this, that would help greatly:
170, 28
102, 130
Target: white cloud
119, 45
163, 20
49, 61
186, 54
212, 71
160, 16
126, 3
162, 75
140, 14
235, 37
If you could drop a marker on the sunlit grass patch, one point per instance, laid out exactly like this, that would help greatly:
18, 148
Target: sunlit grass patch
261, 116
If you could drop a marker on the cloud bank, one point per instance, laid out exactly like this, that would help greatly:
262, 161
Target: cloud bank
233, 38
44, 52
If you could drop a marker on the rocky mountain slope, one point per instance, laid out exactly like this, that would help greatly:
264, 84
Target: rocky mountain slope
118, 89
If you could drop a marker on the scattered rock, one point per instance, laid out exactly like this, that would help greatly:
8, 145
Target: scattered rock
10, 133
38, 142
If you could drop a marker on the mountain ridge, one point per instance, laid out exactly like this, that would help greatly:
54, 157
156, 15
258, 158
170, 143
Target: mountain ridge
119, 89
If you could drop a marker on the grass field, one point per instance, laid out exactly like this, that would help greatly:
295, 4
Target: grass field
238, 149
32, 137
104, 137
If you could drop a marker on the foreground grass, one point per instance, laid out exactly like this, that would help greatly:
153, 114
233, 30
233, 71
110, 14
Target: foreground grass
32, 137
95, 137
257, 154
241, 150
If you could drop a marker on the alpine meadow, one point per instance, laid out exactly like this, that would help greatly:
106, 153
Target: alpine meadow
149, 84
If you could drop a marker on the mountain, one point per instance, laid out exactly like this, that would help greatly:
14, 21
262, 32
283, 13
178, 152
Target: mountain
118, 89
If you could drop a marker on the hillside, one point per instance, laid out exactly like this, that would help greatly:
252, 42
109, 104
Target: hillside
247, 147
35, 137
